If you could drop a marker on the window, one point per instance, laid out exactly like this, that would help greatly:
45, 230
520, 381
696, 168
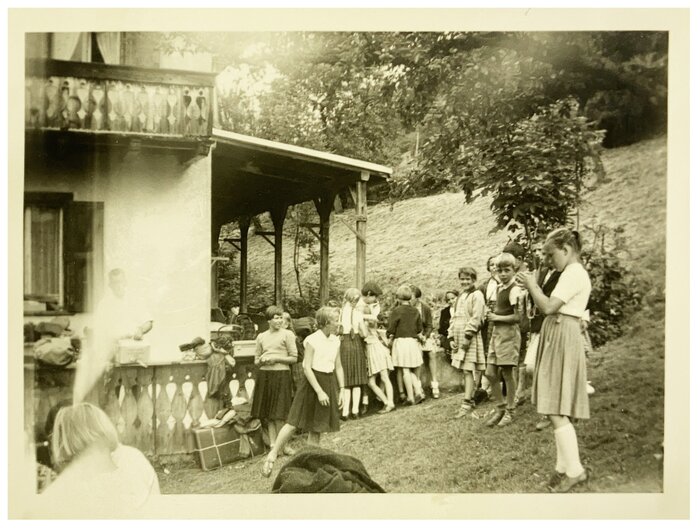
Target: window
62, 253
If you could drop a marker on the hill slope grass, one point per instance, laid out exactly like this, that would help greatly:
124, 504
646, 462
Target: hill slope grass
425, 240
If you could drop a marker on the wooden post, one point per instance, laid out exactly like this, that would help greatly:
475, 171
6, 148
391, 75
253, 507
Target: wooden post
324, 205
278, 214
361, 228
243, 225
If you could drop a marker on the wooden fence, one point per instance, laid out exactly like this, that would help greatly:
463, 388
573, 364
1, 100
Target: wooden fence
154, 408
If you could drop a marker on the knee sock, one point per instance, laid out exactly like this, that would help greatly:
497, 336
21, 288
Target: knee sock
569, 449
560, 466
356, 393
346, 402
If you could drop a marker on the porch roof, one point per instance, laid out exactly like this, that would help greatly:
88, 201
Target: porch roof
251, 175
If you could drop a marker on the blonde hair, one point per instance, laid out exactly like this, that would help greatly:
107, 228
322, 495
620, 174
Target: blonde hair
505, 260
77, 428
325, 315
351, 295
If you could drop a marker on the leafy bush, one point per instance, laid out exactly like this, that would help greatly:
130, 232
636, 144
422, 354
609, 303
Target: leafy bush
616, 293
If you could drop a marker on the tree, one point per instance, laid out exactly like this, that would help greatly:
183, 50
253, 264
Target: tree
535, 170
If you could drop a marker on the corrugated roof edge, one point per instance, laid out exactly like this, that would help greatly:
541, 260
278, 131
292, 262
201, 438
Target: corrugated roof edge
311, 154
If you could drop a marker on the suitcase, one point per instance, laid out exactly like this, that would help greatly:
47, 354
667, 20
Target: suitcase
216, 447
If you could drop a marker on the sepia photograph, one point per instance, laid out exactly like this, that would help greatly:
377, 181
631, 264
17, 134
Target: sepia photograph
317, 260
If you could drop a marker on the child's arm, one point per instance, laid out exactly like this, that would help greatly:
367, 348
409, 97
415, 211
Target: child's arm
258, 350
393, 324
308, 362
340, 376
476, 312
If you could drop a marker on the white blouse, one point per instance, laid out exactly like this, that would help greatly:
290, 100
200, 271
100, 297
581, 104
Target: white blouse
574, 289
325, 351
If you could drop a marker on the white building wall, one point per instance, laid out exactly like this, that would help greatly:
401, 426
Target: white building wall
157, 218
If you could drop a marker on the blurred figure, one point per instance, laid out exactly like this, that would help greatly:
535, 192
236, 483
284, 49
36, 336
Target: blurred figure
118, 316
96, 471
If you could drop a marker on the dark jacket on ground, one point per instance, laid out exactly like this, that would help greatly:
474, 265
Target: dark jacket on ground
321, 470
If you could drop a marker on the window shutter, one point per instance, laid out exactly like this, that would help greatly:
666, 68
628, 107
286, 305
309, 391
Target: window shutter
82, 254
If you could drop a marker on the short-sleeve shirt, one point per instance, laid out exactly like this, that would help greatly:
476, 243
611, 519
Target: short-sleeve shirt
325, 351
574, 289
281, 342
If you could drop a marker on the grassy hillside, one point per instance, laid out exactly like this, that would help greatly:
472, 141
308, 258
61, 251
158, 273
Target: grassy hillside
425, 240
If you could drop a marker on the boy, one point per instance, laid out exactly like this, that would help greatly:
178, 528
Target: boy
504, 346
520, 374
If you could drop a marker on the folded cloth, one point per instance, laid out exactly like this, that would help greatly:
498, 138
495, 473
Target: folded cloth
325, 471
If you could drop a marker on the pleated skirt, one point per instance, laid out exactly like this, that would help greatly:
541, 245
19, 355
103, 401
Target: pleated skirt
308, 414
559, 386
272, 397
353, 360
378, 358
407, 352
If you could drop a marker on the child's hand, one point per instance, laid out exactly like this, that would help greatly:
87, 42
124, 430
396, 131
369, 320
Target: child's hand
340, 398
526, 280
491, 316
584, 326
323, 398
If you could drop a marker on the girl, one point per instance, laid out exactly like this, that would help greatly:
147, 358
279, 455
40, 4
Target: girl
275, 352
468, 355
446, 315
403, 331
428, 345
352, 352
378, 362
315, 406
559, 387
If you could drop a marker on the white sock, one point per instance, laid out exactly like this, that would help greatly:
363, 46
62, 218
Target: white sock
560, 466
356, 393
569, 449
346, 402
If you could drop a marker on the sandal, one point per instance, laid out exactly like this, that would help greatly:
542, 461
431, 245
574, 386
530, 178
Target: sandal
267, 467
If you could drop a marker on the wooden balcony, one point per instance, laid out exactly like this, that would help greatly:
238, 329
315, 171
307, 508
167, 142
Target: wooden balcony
125, 100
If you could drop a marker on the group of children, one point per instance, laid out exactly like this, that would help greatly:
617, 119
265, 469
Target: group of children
485, 335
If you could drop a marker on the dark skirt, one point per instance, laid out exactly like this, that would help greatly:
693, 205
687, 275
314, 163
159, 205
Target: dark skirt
307, 413
273, 395
353, 360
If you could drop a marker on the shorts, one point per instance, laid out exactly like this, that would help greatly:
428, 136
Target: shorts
504, 348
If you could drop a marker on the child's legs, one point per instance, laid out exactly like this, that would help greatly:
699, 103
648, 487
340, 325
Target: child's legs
494, 381
356, 396
284, 435
432, 365
346, 402
509, 379
477, 378
388, 389
417, 386
314, 438
372, 383
468, 385
408, 384
399, 382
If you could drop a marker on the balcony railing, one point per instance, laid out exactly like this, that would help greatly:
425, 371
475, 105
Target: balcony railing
96, 98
